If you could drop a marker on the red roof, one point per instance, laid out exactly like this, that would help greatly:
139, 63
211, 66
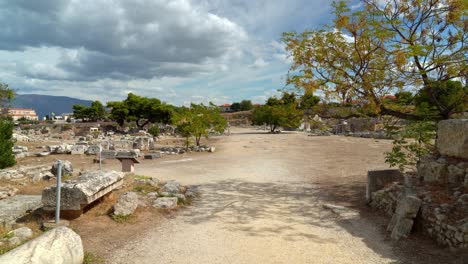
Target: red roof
226, 105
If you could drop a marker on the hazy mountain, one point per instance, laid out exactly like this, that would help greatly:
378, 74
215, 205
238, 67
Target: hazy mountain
46, 104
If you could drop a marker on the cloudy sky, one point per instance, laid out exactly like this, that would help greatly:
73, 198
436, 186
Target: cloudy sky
176, 50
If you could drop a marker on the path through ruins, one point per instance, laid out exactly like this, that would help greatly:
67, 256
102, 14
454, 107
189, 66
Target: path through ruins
262, 202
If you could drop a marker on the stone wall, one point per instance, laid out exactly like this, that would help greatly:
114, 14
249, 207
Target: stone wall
444, 222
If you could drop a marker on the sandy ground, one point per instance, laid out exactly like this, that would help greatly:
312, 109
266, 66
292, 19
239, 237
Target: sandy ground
262, 202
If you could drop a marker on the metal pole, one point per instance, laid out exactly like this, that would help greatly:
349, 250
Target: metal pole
59, 186
100, 159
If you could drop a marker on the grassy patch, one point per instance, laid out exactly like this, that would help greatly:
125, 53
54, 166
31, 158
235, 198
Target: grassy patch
91, 258
141, 177
8, 235
5, 249
145, 188
121, 218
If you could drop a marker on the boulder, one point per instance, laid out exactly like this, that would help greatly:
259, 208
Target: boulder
171, 187
93, 150
165, 202
127, 204
80, 192
455, 174
452, 138
57, 246
67, 168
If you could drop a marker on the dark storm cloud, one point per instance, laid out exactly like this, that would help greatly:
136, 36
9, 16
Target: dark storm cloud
117, 39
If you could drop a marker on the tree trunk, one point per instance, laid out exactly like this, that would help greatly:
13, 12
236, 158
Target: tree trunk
197, 140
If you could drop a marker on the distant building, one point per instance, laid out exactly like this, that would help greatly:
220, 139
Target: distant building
18, 113
225, 108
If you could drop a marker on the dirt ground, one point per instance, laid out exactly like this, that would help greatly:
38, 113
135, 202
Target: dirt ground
262, 202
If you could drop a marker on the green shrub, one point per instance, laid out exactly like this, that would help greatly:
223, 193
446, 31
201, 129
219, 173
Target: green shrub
154, 130
7, 159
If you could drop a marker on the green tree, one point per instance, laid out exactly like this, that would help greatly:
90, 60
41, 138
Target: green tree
442, 99
198, 121
141, 110
246, 105
7, 159
93, 113
308, 101
236, 107
277, 113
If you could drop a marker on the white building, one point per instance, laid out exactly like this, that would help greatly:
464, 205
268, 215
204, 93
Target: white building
18, 113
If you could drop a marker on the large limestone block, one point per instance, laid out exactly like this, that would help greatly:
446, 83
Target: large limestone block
452, 138
15, 207
408, 207
87, 188
57, 246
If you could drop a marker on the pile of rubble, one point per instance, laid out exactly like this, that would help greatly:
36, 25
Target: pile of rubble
182, 150
166, 195
34, 173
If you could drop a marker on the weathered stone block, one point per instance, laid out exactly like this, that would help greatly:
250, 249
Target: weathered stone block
87, 188
452, 138
108, 154
17, 206
154, 155
408, 207
432, 170
377, 179
78, 149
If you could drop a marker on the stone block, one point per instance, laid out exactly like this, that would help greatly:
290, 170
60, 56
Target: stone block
108, 154
153, 155
18, 206
452, 138
82, 191
408, 207
78, 149
93, 150
377, 179
432, 170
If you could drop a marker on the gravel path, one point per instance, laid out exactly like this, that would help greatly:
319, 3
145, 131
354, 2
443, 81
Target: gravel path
262, 202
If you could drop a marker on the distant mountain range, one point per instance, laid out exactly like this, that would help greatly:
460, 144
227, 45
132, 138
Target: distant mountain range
47, 104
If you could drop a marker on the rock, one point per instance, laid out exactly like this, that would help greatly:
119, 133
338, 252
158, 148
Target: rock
171, 187
82, 191
13, 241
463, 199
455, 174
57, 246
165, 202
452, 138
431, 170
7, 191
402, 220
154, 155
127, 204
67, 168
23, 233
108, 154
212, 149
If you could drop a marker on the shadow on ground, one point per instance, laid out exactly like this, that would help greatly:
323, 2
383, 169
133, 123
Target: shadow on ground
288, 210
